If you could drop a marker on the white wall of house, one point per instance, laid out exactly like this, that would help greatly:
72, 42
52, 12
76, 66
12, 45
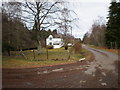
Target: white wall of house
56, 42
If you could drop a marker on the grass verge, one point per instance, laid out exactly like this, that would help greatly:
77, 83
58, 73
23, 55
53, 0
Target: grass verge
105, 49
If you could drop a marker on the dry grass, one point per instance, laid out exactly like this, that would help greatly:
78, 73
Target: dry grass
102, 48
55, 56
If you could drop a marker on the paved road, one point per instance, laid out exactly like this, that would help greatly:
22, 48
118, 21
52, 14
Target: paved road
99, 73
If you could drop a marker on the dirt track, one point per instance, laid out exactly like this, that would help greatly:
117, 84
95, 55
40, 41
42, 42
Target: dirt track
99, 73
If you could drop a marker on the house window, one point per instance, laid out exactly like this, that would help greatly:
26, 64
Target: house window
50, 43
50, 38
56, 44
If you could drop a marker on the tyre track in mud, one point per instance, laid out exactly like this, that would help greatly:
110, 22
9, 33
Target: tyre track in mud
97, 73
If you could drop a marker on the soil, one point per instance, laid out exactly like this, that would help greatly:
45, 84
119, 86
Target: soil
99, 72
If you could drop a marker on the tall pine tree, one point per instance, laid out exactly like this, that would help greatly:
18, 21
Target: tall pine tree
113, 26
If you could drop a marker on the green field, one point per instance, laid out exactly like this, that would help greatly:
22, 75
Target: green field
55, 56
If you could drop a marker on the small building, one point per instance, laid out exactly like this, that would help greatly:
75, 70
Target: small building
56, 42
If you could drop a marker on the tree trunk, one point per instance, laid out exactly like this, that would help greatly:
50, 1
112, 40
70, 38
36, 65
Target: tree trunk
111, 45
68, 55
39, 49
8, 52
116, 45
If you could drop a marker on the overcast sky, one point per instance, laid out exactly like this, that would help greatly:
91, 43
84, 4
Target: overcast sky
87, 11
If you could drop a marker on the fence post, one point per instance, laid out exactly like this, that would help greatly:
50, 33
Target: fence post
33, 53
47, 52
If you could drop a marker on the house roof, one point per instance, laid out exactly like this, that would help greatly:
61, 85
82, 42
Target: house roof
50, 36
54, 36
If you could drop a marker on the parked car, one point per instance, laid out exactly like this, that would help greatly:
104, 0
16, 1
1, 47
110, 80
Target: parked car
70, 44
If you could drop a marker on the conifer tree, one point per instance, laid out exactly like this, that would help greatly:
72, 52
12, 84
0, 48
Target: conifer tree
113, 26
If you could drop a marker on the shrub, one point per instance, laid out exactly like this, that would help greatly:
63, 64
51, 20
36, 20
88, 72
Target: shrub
50, 47
77, 47
66, 46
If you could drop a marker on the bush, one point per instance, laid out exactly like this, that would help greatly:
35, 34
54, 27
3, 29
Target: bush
66, 46
77, 47
50, 47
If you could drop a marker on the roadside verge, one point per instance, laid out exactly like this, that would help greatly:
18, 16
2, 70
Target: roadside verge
88, 58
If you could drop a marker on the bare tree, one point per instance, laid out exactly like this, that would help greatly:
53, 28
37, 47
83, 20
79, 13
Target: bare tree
12, 9
66, 21
97, 36
10, 14
39, 14
98, 32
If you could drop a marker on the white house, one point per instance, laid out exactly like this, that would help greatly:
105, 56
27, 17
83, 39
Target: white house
56, 42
